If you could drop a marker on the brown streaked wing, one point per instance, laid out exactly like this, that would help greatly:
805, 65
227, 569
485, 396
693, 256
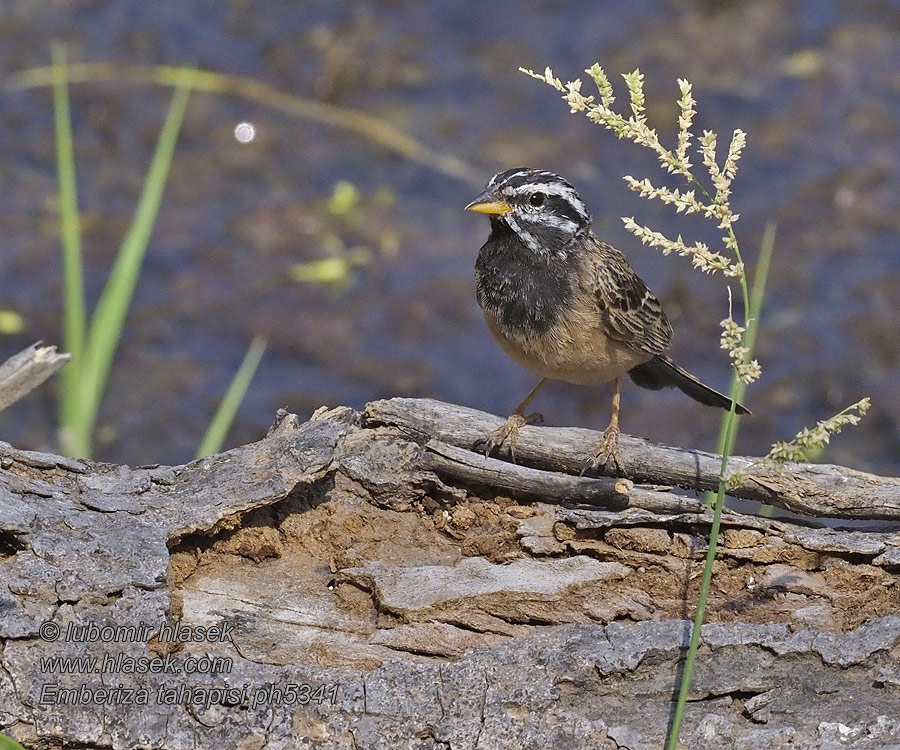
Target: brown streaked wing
628, 310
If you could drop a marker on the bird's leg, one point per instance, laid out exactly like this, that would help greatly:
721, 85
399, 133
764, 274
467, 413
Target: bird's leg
509, 430
609, 448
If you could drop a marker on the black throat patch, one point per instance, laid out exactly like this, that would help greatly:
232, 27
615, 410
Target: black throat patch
523, 291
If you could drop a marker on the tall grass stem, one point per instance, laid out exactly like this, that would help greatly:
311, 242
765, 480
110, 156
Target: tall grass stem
74, 311
106, 325
224, 416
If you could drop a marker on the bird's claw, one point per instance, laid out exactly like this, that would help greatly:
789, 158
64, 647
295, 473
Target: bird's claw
608, 451
507, 433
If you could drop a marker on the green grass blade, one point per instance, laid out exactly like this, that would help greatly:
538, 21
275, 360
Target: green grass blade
7, 743
224, 416
74, 312
106, 325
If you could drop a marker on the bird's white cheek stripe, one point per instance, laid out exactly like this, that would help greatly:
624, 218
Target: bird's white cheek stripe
529, 239
566, 226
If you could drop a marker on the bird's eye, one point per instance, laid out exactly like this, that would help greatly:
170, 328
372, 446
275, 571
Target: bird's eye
537, 199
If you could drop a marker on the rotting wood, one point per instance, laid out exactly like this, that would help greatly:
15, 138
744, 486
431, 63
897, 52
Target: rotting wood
342, 552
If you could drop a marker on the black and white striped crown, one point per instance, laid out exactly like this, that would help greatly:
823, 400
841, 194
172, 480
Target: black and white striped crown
545, 211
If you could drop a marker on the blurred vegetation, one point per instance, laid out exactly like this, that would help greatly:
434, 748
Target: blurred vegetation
224, 416
11, 322
93, 343
370, 127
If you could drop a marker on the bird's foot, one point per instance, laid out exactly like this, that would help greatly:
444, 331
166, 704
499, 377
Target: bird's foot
507, 433
608, 451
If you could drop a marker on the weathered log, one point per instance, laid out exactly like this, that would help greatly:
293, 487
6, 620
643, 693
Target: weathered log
364, 584
25, 371
812, 489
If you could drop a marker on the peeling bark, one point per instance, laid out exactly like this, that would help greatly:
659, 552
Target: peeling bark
365, 581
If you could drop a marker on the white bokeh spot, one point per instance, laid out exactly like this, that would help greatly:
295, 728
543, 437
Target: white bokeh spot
244, 132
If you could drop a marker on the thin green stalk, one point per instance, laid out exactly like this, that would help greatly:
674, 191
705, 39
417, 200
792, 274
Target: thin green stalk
74, 312
107, 322
224, 416
728, 433
757, 293
691, 657
738, 387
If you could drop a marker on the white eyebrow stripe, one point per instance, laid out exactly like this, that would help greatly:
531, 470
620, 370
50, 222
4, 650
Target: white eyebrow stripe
550, 188
561, 191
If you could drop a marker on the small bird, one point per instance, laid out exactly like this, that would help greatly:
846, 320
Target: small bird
567, 305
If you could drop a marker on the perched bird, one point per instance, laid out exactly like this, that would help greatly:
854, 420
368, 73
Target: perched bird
567, 305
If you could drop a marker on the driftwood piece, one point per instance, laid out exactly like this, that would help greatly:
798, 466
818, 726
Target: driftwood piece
361, 589
812, 489
25, 371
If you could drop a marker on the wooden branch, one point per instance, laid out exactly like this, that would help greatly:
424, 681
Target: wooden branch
821, 490
25, 371
466, 467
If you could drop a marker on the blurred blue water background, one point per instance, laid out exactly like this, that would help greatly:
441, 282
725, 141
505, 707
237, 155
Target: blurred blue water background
816, 85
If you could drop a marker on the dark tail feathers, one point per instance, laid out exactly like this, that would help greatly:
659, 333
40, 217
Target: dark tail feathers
662, 372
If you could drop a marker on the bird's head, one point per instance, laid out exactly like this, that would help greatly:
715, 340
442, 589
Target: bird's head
541, 208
